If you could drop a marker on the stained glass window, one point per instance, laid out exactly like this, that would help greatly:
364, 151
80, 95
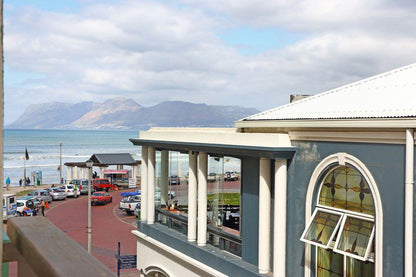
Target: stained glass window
345, 188
355, 237
330, 264
322, 228
342, 225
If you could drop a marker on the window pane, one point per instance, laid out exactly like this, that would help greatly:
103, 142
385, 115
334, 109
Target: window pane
330, 264
322, 228
359, 268
224, 193
345, 188
355, 237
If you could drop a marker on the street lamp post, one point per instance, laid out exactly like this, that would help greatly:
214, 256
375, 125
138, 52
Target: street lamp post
60, 162
89, 164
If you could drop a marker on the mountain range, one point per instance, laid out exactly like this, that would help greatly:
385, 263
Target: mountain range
124, 113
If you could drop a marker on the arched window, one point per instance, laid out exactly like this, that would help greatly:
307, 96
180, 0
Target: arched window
342, 225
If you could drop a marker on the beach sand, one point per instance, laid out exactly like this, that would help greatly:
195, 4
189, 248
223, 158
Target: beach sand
16, 190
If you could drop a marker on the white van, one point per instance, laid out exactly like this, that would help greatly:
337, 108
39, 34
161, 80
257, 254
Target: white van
9, 206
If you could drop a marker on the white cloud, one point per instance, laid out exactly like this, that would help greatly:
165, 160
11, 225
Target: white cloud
157, 51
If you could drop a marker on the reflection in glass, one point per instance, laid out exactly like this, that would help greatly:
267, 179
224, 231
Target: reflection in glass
330, 264
359, 268
355, 236
322, 227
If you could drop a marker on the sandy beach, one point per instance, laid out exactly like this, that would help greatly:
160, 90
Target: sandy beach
16, 190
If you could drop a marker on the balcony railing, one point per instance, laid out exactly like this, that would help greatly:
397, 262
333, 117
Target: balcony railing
216, 236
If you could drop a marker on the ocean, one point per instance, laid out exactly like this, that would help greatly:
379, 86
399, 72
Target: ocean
44, 150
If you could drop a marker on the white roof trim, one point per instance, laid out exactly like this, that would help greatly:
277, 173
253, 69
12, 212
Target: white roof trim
225, 136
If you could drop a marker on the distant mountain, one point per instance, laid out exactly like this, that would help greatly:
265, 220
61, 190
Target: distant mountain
123, 113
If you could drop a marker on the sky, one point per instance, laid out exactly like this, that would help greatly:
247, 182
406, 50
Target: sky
233, 52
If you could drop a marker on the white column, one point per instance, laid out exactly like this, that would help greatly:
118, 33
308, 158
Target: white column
279, 226
408, 231
192, 196
202, 198
143, 185
264, 216
76, 172
68, 173
164, 172
151, 186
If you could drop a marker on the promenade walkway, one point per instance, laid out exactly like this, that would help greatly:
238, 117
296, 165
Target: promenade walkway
109, 227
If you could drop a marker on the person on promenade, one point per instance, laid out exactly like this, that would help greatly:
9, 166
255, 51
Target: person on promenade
20, 182
8, 183
42, 207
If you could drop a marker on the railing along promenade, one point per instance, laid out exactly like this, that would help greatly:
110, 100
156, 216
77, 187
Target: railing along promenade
41, 249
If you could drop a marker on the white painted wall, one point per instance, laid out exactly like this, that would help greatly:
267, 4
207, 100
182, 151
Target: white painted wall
151, 253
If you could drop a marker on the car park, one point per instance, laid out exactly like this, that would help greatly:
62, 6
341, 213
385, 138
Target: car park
174, 180
56, 193
101, 197
70, 191
158, 195
26, 207
129, 201
101, 184
82, 184
41, 195
230, 176
212, 177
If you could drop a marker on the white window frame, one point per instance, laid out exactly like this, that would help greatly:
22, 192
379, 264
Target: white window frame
370, 241
328, 245
341, 158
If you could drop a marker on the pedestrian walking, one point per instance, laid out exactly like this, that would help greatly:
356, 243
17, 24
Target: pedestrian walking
20, 182
8, 183
42, 207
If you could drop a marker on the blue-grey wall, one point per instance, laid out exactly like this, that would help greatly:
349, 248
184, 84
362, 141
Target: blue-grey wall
386, 164
250, 209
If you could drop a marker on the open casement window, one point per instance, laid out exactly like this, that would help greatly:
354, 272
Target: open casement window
355, 237
323, 227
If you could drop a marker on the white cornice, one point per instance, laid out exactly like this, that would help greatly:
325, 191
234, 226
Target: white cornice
380, 123
392, 137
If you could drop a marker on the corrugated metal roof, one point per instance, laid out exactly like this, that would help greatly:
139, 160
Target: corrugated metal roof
388, 95
113, 159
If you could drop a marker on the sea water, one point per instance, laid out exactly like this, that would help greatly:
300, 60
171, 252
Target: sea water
43, 147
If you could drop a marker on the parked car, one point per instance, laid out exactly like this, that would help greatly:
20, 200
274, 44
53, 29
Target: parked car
56, 193
70, 192
212, 177
129, 202
26, 207
230, 176
101, 184
158, 195
41, 195
82, 184
101, 197
174, 180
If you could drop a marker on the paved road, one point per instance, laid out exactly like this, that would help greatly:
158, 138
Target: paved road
109, 226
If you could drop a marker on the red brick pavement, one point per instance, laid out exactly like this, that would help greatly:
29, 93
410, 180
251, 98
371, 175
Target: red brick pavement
107, 228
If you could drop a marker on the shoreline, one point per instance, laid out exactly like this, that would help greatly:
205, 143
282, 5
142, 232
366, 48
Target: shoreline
17, 189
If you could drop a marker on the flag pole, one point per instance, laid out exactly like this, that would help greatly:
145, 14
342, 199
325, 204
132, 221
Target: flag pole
24, 171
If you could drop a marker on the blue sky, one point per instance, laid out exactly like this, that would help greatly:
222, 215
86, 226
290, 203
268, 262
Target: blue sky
235, 52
